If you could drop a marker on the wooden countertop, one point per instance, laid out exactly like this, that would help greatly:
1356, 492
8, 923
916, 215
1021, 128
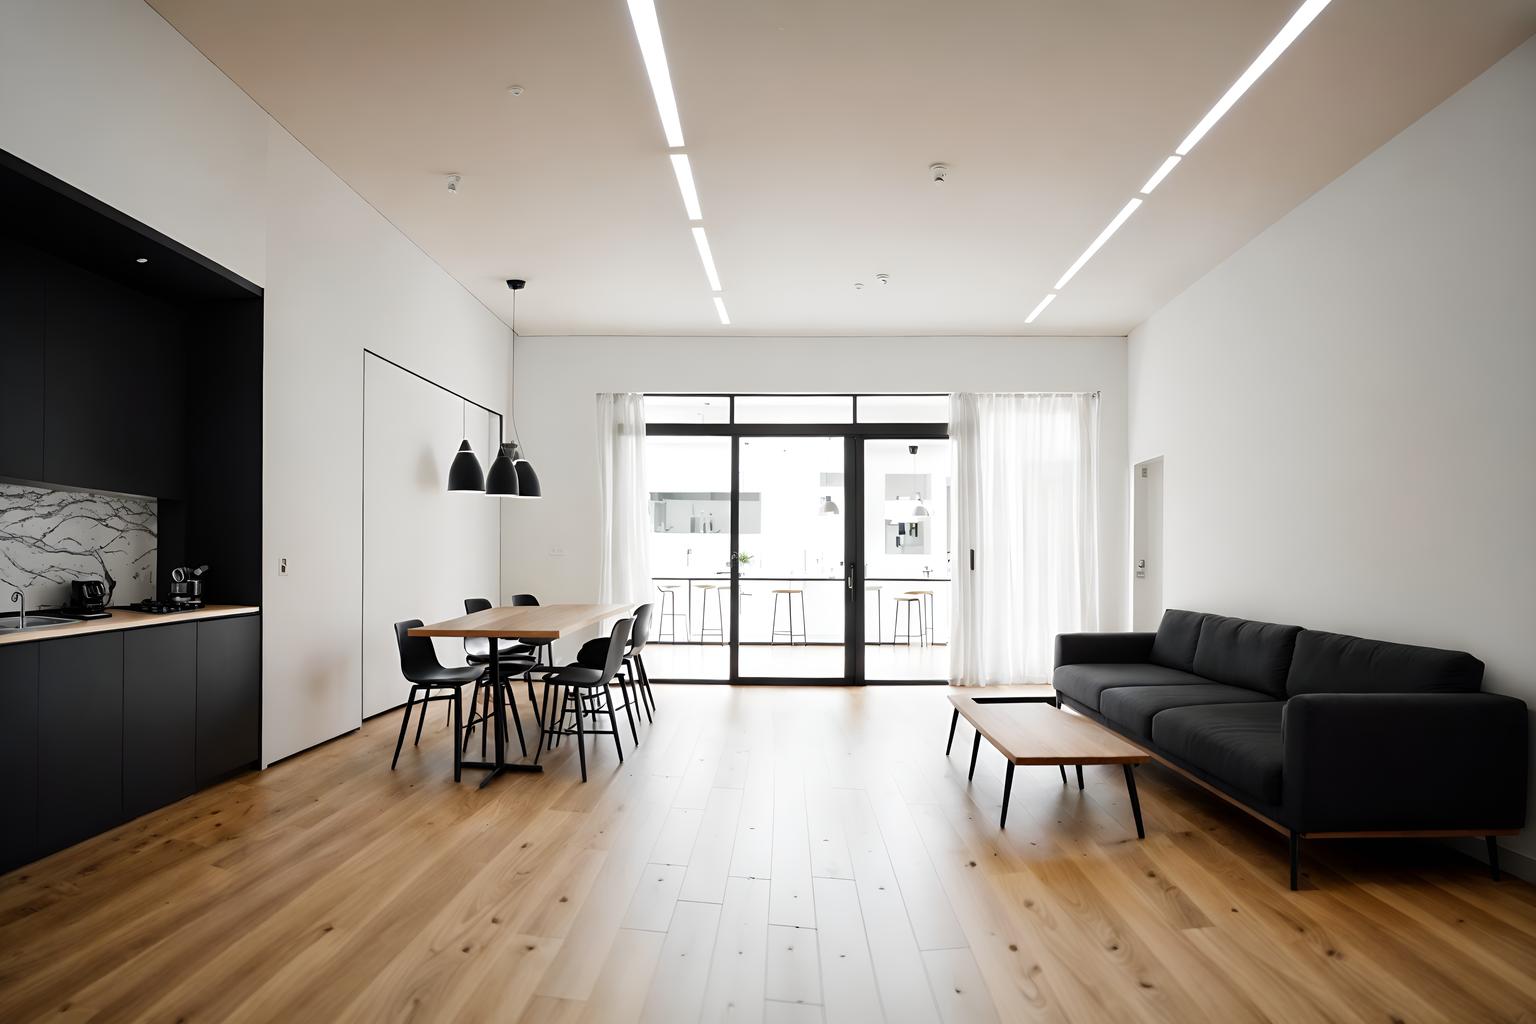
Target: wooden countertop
123, 618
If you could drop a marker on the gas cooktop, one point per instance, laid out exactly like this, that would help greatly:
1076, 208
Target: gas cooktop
162, 607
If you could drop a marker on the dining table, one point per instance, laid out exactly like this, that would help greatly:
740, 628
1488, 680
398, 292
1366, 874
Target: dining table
524, 622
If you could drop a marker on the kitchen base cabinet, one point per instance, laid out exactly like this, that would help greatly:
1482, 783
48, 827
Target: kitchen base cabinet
80, 738
18, 755
228, 696
159, 716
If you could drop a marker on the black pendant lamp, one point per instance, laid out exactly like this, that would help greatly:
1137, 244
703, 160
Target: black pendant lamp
501, 481
526, 483
465, 474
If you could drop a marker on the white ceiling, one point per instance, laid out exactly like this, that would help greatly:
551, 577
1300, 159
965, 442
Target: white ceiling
811, 125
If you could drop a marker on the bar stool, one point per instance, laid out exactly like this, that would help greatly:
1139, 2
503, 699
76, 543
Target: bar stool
927, 617
908, 601
668, 628
789, 594
877, 588
432, 681
706, 589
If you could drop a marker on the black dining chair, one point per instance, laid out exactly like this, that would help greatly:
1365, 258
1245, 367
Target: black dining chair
431, 680
517, 658
634, 664
580, 687
513, 659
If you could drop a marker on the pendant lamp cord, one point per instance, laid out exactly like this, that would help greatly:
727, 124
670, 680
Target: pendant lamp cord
515, 437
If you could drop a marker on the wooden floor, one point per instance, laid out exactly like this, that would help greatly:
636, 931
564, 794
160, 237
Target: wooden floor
767, 854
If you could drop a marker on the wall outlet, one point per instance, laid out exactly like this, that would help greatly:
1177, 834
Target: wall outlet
282, 567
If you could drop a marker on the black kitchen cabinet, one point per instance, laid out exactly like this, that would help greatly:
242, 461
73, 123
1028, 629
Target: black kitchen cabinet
228, 696
18, 755
117, 395
80, 738
22, 355
159, 716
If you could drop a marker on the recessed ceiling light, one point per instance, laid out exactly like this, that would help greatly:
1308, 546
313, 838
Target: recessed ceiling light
648, 33
1287, 35
1040, 308
514, 90
1114, 225
1159, 174
725, 318
142, 259
707, 258
684, 172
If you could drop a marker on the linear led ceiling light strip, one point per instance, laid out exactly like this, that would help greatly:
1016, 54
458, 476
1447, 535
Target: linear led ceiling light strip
648, 35
1304, 16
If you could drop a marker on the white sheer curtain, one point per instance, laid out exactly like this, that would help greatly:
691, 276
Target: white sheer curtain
623, 499
1026, 503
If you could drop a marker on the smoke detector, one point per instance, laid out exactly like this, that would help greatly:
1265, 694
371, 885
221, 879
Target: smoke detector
514, 90
940, 173
453, 182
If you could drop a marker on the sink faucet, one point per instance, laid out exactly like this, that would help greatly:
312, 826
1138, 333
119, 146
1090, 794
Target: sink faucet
19, 597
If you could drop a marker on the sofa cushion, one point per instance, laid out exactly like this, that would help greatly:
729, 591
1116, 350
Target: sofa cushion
1084, 683
1239, 744
1255, 655
1132, 707
1177, 635
1335, 663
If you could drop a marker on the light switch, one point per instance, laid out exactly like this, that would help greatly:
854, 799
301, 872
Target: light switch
557, 552
282, 567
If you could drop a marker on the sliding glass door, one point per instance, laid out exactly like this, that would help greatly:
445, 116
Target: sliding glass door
792, 543
792, 559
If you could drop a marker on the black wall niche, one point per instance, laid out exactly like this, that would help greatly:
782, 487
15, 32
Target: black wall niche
130, 377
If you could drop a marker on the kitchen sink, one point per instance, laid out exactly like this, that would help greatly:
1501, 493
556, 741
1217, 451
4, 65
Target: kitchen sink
11, 624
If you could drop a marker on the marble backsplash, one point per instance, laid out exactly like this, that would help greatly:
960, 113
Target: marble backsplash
48, 538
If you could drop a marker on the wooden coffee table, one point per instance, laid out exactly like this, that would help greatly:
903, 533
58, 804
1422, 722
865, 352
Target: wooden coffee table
1037, 733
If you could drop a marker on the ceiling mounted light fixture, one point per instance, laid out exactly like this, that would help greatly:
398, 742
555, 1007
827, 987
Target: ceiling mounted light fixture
707, 258
1304, 16
1159, 174
648, 34
1040, 308
512, 475
1098, 243
684, 172
725, 318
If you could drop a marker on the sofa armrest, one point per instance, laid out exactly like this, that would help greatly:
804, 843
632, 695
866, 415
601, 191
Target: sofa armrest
1102, 648
1404, 761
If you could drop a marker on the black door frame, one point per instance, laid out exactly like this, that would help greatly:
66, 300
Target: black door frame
854, 435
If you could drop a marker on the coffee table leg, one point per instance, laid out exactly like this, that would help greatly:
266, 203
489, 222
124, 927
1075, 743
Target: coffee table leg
1007, 791
1130, 787
954, 720
975, 749
1079, 776
1063, 769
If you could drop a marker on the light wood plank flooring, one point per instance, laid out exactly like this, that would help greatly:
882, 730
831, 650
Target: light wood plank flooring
767, 854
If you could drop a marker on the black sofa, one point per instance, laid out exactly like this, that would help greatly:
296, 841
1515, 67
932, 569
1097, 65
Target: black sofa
1318, 734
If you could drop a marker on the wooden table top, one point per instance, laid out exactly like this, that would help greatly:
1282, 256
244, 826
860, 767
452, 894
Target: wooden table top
1041, 734
532, 622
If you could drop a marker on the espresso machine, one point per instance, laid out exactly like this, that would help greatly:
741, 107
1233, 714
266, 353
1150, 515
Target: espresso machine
187, 587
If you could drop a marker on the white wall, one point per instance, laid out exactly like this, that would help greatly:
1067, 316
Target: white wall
107, 96
557, 379
416, 562
1344, 406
